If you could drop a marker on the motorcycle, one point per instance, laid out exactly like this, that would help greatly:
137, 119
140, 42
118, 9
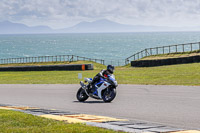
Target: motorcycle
105, 89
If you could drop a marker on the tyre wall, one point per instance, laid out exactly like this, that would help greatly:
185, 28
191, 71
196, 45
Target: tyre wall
161, 62
74, 67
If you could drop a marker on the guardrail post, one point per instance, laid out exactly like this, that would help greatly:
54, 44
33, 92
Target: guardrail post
145, 52
191, 46
68, 58
157, 50
199, 45
163, 50
64, 58
72, 58
176, 49
142, 54
183, 48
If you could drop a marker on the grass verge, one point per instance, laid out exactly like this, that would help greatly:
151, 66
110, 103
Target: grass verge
18, 122
172, 55
184, 74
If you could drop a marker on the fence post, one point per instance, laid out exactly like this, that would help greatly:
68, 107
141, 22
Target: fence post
142, 54
72, 58
191, 46
199, 45
163, 50
151, 51
60, 58
169, 49
176, 49
145, 52
64, 58
183, 48
157, 50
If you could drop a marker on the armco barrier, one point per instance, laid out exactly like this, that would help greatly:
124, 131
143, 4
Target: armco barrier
169, 61
74, 67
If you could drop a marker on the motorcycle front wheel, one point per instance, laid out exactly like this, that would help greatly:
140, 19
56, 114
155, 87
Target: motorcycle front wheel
109, 94
81, 95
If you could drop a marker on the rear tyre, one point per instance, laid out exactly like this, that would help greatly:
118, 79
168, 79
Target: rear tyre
81, 95
109, 94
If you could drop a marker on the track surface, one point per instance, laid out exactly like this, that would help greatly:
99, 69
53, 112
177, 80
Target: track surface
177, 106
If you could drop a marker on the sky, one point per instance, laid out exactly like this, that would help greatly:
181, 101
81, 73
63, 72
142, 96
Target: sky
66, 13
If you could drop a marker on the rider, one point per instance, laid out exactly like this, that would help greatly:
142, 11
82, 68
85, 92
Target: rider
103, 73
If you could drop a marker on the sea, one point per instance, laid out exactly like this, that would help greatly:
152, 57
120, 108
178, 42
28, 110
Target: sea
106, 46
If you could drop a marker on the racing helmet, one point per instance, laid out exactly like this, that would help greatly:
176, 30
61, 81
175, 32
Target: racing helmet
110, 68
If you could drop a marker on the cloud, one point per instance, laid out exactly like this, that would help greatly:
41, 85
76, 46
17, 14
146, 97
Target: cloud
63, 13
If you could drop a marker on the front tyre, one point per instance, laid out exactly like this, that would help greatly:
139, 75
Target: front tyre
109, 94
81, 95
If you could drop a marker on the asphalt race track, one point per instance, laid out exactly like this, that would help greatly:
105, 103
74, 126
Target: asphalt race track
177, 106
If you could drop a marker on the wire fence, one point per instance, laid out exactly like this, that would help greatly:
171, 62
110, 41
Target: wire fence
120, 62
42, 59
179, 48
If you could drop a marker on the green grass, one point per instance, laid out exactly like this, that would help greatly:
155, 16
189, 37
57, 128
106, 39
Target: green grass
50, 63
18, 122
172, 55
184, 74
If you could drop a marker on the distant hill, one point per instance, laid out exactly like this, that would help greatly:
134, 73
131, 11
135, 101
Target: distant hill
98, 26
7, 27
110, 26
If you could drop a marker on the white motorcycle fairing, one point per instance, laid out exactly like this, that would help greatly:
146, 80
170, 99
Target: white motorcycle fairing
101, 88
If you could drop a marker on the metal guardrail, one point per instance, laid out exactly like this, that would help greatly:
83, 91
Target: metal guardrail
42, 59
179, 48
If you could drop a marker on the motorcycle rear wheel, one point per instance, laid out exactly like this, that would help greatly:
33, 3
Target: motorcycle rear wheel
109, 95
81, 95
